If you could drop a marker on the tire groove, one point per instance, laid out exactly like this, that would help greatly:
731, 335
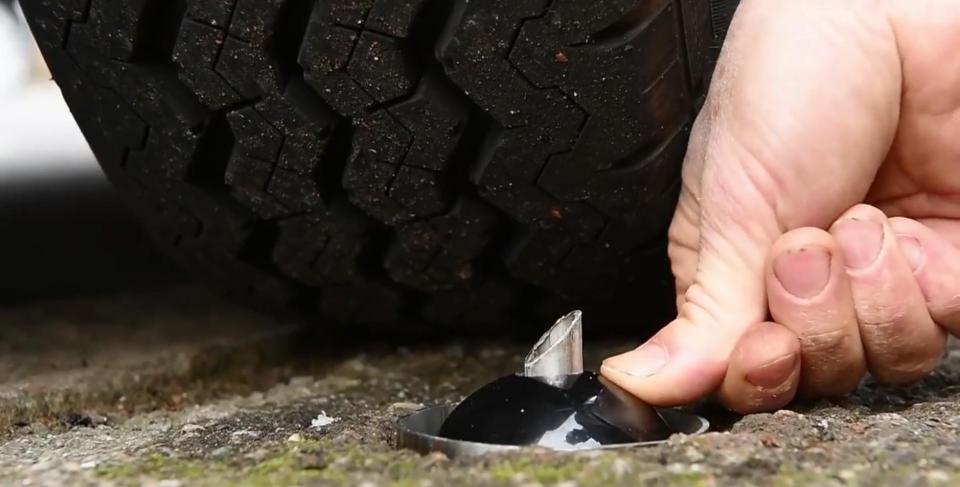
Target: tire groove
69, 23
626, 28
683, 55
431, 29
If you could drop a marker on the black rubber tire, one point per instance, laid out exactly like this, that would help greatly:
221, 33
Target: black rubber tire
418, 163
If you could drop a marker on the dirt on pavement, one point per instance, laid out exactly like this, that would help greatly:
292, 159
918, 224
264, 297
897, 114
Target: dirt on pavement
175, 387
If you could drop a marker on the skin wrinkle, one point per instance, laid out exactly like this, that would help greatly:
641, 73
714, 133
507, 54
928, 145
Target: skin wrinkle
758, 174
718, 267
684, 237
684, 248
830, 347
922, 205
697, 296
821, 342
886, 348
901, 52
883, 32
730, 201
698, 307
948, 307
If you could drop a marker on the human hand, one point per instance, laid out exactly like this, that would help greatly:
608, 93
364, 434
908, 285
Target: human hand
816, 108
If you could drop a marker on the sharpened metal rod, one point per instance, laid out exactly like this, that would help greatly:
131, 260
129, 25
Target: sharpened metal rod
558, 354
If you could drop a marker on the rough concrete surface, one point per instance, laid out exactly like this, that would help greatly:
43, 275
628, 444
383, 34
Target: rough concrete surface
174, 387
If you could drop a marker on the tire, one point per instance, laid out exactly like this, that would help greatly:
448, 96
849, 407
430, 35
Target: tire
399, 165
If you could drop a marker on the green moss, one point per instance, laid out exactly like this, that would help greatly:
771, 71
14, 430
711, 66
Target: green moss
322, 462
546, 472
791, 477
160, 466
284, 467
904, 474
405, 483
691, 479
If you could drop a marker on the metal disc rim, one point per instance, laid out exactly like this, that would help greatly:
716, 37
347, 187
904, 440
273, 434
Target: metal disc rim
410, 438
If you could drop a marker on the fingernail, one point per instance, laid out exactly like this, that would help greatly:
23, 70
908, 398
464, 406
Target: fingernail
803, 272
774, 373
642, 362
860, 241
912, 250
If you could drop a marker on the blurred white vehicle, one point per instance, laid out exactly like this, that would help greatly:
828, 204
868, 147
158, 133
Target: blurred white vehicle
15, 44
38, 135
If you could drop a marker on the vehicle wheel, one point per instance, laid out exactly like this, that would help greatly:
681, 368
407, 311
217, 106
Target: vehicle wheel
418, 164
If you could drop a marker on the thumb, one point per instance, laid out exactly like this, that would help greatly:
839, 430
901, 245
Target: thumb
802, 110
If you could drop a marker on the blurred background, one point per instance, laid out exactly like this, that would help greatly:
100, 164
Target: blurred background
63, 230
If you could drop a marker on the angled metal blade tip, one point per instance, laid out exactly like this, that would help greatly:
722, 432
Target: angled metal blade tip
559, 352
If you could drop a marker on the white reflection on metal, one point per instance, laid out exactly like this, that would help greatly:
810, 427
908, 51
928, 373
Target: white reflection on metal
558, 354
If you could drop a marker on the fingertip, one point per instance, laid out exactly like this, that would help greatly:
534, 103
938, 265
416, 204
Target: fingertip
794, 256
801, 268
764, 370
804, 236
674, 368
935, 263
763, 350
913, 239
640, 363
802, 272
675, 385
912, 251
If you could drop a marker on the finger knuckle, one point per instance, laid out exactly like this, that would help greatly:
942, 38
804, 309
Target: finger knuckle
827, 343
882, 318
905, 371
